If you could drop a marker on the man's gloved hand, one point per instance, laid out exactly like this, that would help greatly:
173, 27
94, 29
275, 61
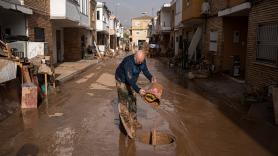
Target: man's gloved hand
154, 80
142, 92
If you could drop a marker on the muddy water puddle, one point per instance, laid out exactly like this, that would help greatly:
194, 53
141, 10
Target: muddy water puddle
155, 138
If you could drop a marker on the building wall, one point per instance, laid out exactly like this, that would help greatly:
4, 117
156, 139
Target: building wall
214, 24
39, 6
225, 26
140, 23
139, 35
112, 25
72, 47
42, 21
165, 18
140, 30
93, 19
178, 12
260, 75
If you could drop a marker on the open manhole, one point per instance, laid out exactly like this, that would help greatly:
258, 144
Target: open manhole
155, 138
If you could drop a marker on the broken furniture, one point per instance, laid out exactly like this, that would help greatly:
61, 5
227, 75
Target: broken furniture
30, 68
5, 50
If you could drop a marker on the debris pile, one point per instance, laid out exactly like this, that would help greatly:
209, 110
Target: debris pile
33, 73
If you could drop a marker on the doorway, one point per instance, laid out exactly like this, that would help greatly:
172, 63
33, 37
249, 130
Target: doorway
59, 46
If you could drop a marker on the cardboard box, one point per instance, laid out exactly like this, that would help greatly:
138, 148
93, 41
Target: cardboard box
29, 96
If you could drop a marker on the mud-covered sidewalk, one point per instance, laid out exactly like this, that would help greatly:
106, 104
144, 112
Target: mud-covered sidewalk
82, 119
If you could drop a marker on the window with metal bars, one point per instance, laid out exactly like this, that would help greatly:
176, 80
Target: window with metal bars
267, 44
39, 34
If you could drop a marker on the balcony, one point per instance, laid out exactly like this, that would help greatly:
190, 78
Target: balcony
236, 2
236, 8
191, 9
67, 12
17, 5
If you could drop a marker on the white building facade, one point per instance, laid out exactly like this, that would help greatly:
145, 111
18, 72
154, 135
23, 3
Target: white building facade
70, 16
102, 26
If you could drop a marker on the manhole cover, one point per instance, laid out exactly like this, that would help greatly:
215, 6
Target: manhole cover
155, 138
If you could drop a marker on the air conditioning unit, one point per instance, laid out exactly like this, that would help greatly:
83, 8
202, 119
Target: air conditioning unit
205, 8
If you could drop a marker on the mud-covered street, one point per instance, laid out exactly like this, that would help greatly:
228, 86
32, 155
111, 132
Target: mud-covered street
82, 118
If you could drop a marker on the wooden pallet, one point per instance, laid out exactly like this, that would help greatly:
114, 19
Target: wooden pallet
127, 120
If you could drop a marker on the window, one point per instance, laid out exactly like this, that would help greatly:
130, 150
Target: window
39, 34
84, 7
98, 15
213, 41
267, 44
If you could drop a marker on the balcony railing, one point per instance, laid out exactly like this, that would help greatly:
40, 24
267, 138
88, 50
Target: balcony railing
68, 10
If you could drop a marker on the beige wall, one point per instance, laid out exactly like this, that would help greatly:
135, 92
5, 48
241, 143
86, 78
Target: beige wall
140, 23
139, 35
140, 30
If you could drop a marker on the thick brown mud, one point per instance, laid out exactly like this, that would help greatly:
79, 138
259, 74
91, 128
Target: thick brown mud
82, 118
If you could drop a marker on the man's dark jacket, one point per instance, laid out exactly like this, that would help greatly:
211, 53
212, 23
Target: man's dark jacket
128, 72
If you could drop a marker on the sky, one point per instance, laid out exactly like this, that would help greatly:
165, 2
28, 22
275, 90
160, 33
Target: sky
127, 9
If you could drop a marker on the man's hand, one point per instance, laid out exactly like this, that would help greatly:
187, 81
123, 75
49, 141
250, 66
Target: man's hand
154, 80
142, 92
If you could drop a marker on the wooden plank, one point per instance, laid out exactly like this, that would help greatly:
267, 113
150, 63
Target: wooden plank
127, 120
26, 74
46, 84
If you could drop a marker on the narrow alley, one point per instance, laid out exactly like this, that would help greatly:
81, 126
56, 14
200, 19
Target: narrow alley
81, 118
